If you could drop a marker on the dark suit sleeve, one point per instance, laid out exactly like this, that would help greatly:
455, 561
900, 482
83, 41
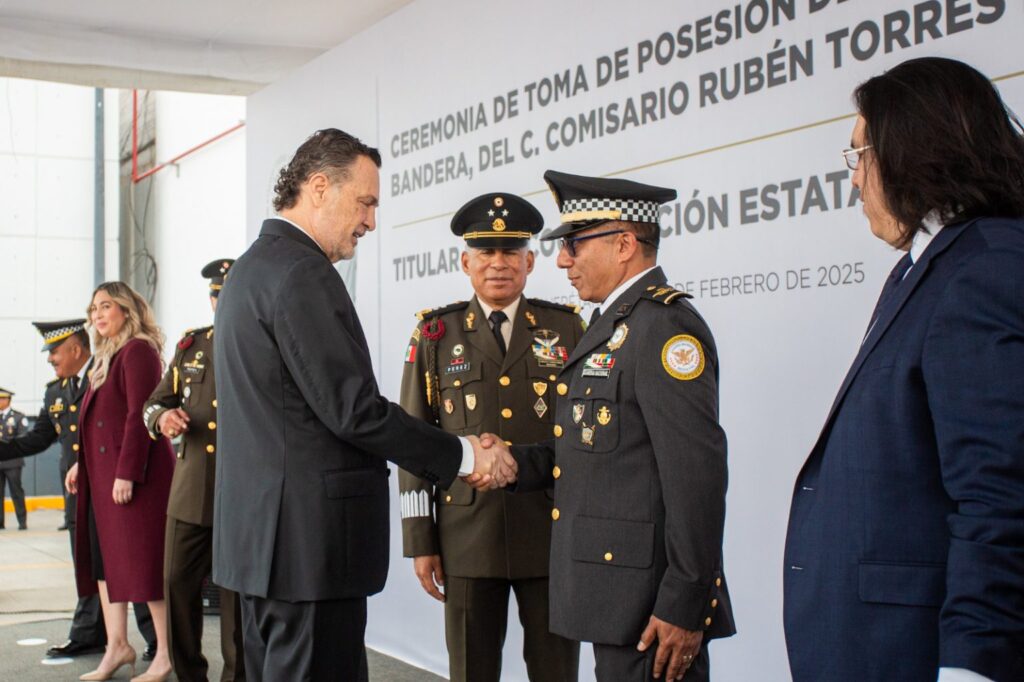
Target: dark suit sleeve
974, 377
681, 417
141, 367
325, 352
38, 438
535, 463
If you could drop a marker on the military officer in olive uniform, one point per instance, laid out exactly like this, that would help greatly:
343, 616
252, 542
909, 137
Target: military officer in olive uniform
185, 404
67, 346
12, 424
639, 459
489, 365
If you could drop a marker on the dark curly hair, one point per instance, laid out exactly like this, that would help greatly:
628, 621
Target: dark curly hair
943, 140
329, 151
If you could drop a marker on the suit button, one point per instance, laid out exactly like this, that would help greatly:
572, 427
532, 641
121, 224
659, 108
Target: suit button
554, 514
457, 383
506, 413
99, 424
707, 621
558, 431
447, 498
504, 381
212, 425
210, 448
562, 389
75, 447
74, 408
718, 582
73, 428
556, 472
102, 449
214, 403
607, 556
714, 603
552, 377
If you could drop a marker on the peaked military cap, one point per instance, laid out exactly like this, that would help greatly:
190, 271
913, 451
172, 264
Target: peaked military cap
497, 220
55, 333
4, 393
586, 202
216, 271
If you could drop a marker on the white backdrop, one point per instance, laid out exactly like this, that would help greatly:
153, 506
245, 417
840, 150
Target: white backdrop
766, 233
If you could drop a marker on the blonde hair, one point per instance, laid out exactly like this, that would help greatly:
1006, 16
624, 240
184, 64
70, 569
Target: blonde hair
139, 323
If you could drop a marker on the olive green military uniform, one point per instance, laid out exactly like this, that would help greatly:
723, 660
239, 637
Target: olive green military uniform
189, 384
456, 377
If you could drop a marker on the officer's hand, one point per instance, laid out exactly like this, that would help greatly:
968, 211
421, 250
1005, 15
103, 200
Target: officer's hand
173, 422
428, 570
676, 647
71, 480
123, 491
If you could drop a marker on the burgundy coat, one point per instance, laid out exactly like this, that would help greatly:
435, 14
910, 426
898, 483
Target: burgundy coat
115, 444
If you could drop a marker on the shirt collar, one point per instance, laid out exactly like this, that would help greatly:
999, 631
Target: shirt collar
924, 237
621, 289
509, 310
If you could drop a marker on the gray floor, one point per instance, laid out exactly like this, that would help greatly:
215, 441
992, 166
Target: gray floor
36, 588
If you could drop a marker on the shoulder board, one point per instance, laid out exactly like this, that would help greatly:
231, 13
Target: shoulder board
664, 294
197, 331
541, 303
435, 312
52, 381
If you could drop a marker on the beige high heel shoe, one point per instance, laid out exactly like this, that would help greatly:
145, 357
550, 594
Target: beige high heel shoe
128, 659
151, 677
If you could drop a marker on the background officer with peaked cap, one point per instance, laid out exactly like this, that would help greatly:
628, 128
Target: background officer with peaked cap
67, 346
12, 424
639, 459
489, 365
185, 404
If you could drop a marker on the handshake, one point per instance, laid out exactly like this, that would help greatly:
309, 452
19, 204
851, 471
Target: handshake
494, 466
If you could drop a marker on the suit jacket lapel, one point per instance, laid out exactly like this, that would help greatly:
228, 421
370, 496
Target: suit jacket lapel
522, 332
479, 335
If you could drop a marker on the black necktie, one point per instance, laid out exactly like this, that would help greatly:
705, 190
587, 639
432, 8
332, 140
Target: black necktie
593, 316
497, 318
899, 271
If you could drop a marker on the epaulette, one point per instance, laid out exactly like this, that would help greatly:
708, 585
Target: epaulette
197, 330
541, 303
52, 381
187, 339
428, 313
664, 294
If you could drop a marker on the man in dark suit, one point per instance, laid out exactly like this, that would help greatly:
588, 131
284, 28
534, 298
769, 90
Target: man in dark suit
301, 508
67, 346
905, 551
638, 460
489, 364
12, 424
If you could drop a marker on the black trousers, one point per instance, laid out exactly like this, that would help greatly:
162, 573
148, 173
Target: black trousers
476, 618
12, 478
304, 641
188, 550
626, 664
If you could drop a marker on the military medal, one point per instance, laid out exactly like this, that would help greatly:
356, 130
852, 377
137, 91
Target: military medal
604, 416
619, 337
577, 412
598, 365
187, 392
540, 387
587, 435
449, 406
199, 355
540, 407
457, 350
545, 350
470, 401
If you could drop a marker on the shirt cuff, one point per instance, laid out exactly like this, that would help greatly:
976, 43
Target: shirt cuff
960, 675
468, 458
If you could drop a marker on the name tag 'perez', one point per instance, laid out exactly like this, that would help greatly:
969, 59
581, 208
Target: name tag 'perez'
598, 365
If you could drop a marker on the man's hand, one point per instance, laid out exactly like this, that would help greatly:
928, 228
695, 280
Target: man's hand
428, 569
71, 479
494, 466
123, 491
173, 422
676, 647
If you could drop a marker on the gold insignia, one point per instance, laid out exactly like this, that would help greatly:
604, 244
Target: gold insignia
199, 355
499, 202
429, 388
577, 412
470, 318
531, 319
449, 406
174, 388
540, 387
416, 335
604, 416
682, 357
498, 225
587, 435
540, 407
470, 401
457, 350
619, 337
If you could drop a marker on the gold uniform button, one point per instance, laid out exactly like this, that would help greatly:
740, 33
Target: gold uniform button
74, 408
75, 447
552, 377
73, 428
506, 413
718, 582
212, 426
707, 621
214, 402
457, 383
188, 380
554, 514
714, 603
447, 498
558, 431
556, 472
607, 556
210, 449
504, 381
562, 389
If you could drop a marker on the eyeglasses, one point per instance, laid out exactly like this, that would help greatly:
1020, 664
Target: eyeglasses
852, 156
569, 243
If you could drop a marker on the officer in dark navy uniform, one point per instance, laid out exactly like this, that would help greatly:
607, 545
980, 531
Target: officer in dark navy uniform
185, 404
639, 458
12, 424
67, 345
489, 365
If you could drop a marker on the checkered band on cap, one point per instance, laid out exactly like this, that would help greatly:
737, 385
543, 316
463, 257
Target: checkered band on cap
61, 333
632, 210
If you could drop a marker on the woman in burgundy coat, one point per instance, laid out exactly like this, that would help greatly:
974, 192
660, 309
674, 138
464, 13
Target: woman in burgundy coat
123, 477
